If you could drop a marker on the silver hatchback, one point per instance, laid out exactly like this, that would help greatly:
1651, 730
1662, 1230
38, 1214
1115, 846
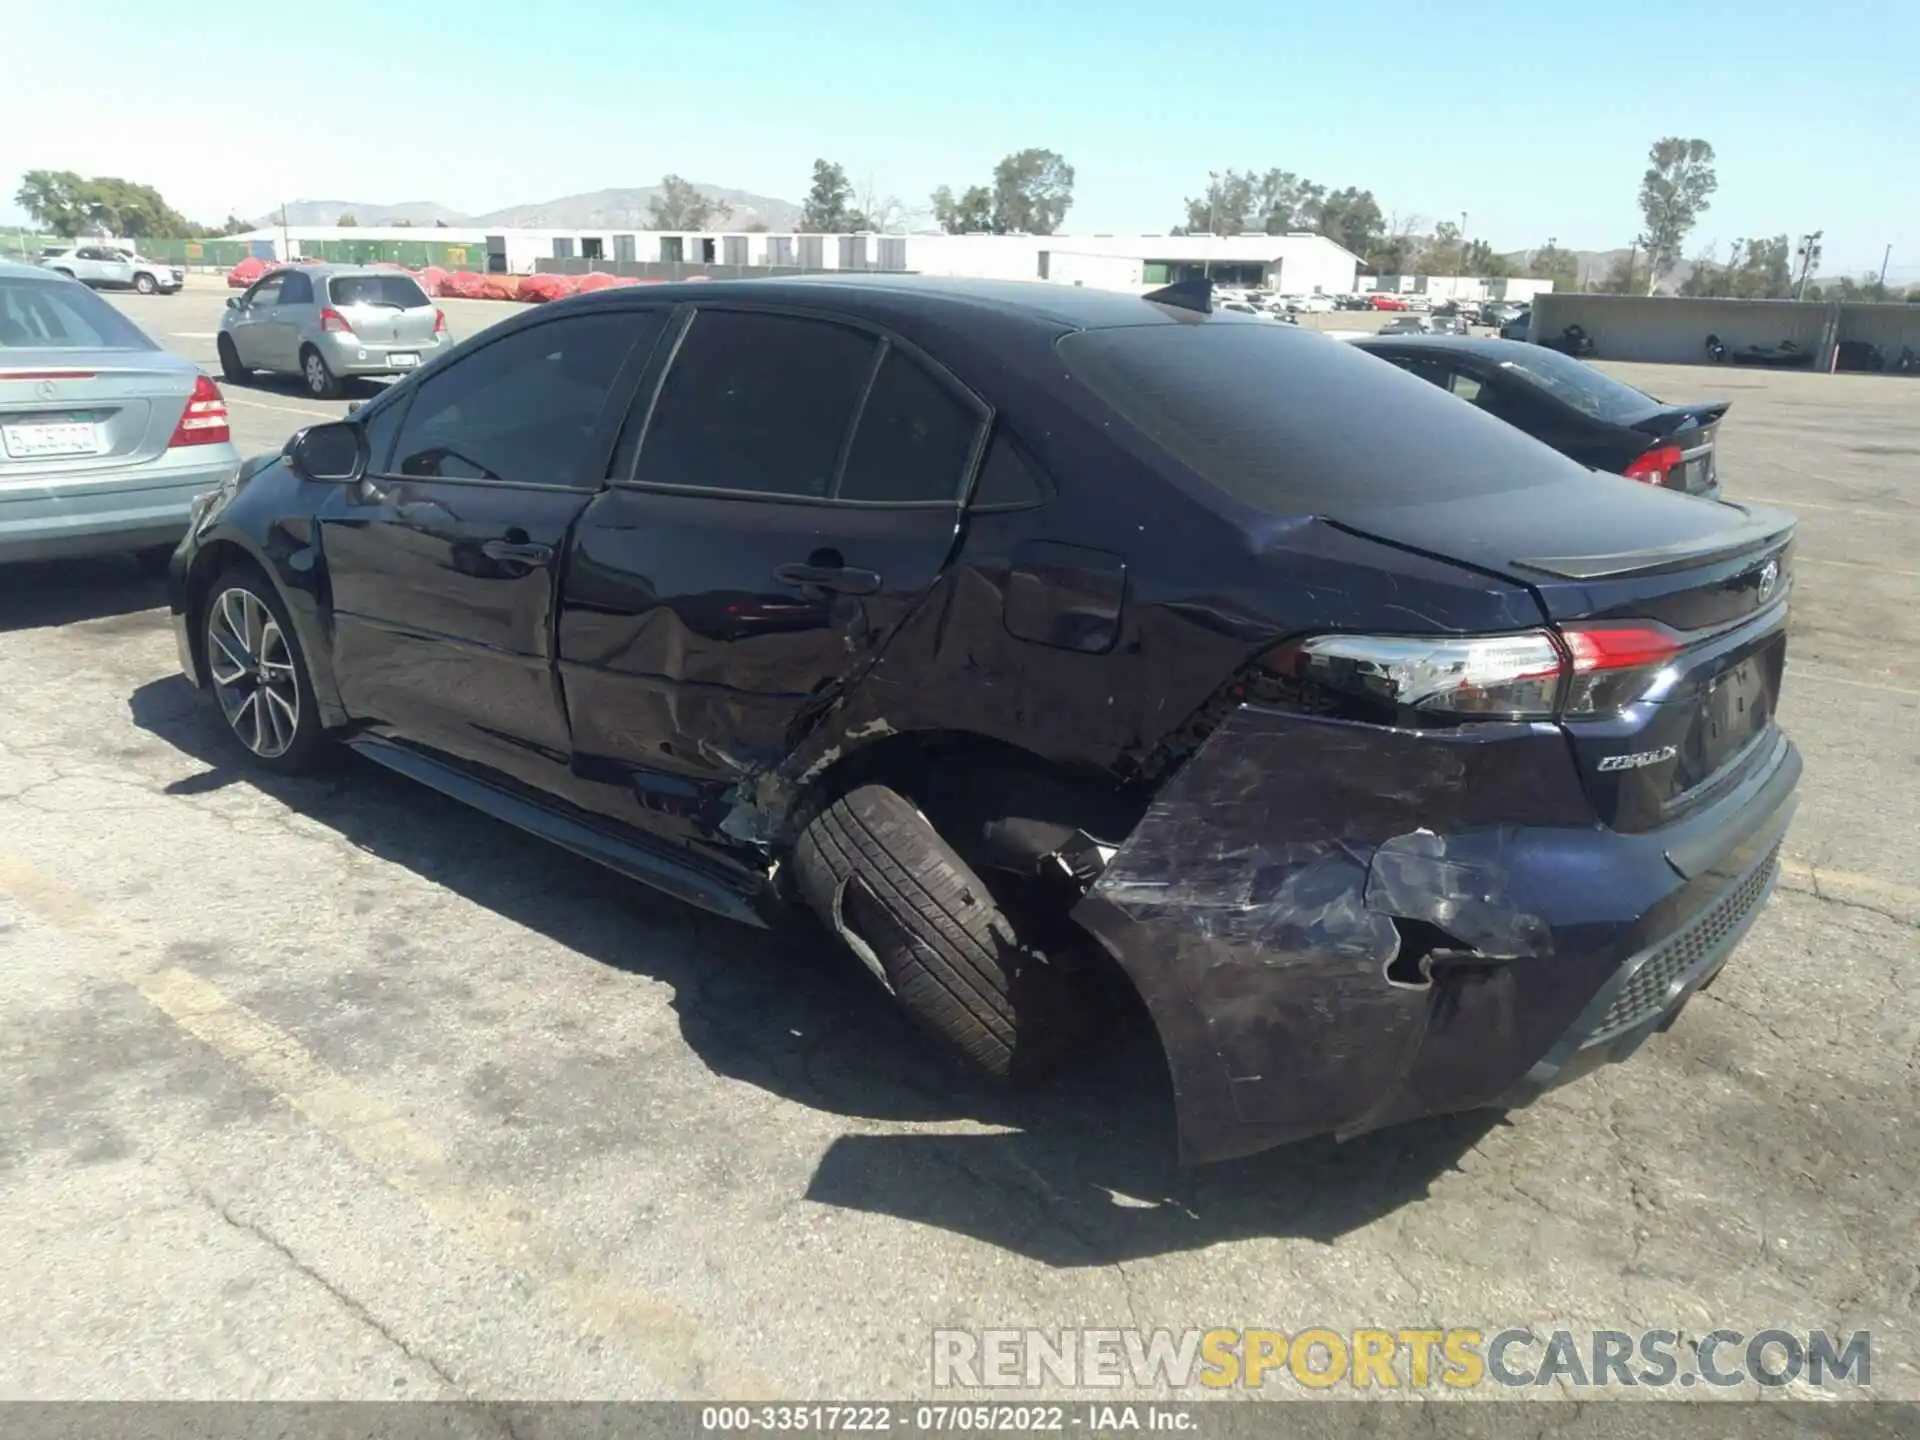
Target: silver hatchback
326, 323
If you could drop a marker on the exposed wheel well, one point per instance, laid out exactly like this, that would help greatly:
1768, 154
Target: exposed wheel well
1019, 819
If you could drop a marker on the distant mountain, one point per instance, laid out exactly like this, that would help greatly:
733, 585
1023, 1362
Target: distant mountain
598, 210
328, 212
1596, 265
627, 210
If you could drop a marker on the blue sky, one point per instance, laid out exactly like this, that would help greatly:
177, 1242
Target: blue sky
1534, 118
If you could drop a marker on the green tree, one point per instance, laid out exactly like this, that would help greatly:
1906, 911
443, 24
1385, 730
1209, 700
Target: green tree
69, 204
1625, 275
1352, 218
52, 198
1270, 202
235, 225
1761, 269
1225, 207
679, 205
1550, 262
969, 213
1032, 192
829, 205
1674, 194
347, 220
1479, 258
1440, 255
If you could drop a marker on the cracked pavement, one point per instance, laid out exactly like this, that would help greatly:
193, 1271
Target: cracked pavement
331, 1089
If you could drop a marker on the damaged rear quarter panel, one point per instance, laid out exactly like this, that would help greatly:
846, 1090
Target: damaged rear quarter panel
1254, 910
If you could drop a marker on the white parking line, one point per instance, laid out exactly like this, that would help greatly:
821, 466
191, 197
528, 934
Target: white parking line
233, 399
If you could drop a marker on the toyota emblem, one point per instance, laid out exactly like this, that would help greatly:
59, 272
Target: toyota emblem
45, 390
1769, 580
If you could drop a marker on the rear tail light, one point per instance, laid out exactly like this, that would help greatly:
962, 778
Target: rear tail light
439, 322
204, 421
333, 321
1656, 465
1534, 675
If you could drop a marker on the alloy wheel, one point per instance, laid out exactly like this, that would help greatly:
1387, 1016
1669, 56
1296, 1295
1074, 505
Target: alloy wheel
253, 672
317, 378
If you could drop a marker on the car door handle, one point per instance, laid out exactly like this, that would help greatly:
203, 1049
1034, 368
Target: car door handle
526, 554
841, 579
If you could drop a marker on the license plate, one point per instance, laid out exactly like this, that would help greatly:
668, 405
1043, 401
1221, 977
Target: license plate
403, 362
28, 442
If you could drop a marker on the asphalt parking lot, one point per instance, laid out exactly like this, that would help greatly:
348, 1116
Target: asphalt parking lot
332, 1089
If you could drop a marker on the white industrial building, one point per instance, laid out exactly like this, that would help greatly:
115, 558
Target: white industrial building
1294, 264
1458, 287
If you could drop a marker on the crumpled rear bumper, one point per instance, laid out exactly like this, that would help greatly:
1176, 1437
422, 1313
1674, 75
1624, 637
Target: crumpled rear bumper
1274, 907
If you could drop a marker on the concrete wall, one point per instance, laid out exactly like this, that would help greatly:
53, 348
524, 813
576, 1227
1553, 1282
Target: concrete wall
1674, 330
1670, 329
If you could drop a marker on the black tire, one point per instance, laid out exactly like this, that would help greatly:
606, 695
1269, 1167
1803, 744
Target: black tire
231, 370
143, 283
317, 375
873, 869
304, 741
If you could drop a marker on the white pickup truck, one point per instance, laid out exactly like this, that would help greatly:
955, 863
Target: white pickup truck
106, 266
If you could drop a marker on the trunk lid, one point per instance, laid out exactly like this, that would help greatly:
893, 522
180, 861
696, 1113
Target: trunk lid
69, 415
1692, 430
1716, 575
386, 310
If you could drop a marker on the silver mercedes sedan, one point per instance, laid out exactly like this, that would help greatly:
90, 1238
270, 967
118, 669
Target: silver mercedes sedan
105, 438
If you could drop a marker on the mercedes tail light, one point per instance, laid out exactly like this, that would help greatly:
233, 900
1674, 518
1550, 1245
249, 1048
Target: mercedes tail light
204, 421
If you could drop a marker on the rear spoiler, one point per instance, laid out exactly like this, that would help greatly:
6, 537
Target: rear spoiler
1671, 418
1760, 528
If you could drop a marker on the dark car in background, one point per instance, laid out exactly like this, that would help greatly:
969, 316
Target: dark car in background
1021, 632
1584, 413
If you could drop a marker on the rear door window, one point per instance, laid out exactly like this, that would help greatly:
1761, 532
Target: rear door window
521, 409
60, 315
1293, 424
398, 292
757, 404
916, 438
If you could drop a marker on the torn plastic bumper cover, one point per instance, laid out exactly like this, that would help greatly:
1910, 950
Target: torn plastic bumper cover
1337, 927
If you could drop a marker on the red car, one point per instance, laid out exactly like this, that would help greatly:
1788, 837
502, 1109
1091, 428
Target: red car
1387, 302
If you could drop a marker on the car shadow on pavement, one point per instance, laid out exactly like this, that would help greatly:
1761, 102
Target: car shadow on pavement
1079, 1171
43, 593
292, 387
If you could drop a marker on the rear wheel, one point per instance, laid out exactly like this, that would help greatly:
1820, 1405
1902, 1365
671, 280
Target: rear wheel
322, 383
258, 674
144, 284
878, 874
230, 367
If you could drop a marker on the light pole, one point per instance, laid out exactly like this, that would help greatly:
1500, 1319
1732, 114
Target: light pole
1809, 257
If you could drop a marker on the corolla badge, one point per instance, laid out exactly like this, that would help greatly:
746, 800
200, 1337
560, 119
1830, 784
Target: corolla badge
1769, 580
1640, 760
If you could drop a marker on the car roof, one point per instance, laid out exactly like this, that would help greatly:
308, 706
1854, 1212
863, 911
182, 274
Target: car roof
885, 297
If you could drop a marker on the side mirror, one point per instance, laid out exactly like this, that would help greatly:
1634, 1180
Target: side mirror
353, 406
333, 452
233, 302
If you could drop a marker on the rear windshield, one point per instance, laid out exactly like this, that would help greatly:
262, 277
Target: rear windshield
1588, 390
60, 315
1294, 423
401, 292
